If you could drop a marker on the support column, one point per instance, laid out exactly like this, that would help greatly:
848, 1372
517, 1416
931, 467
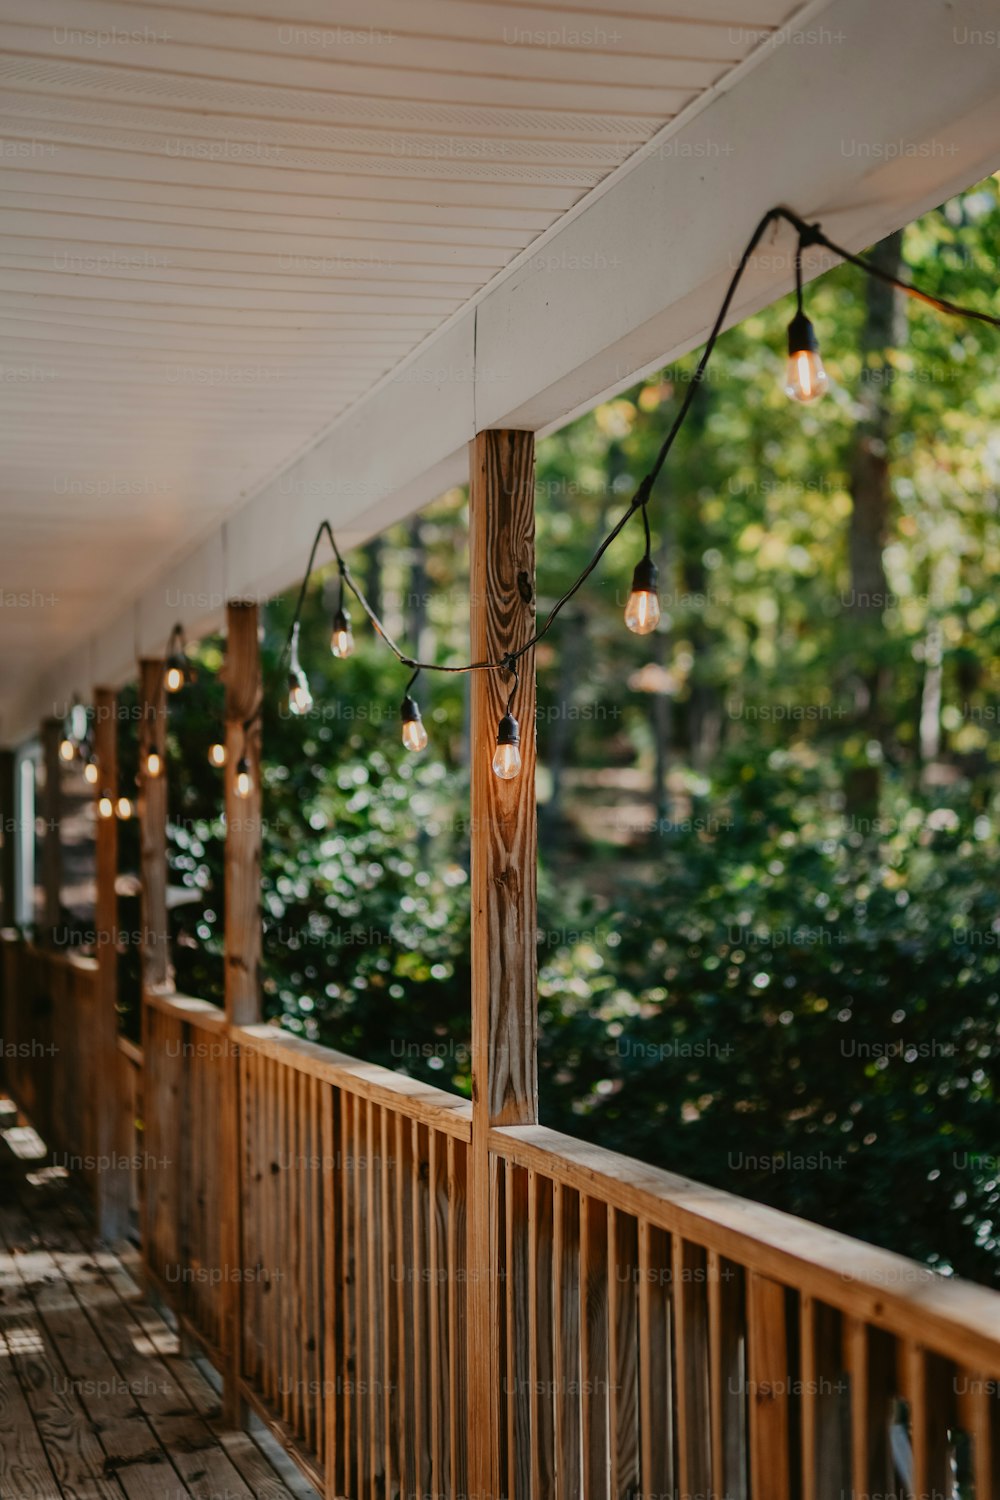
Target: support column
112, 1181
243, 928
156, 972
8, 839
155, 951
504, 909
51, 810
242, 956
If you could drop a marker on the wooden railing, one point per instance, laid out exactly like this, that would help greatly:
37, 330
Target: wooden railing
48, 1047
649, 1336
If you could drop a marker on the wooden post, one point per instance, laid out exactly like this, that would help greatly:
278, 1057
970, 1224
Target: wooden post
504, 915
156, 972
8, 838
155, 953
243, 931
242, 968
52, 732
111, 1180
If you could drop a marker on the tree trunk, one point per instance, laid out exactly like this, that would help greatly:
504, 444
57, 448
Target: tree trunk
883, 332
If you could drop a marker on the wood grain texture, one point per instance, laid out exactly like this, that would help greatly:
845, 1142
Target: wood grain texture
153, 825
504, 858
51, 811
111, 1181
769, 1380
243, 828
504, 837
242, 958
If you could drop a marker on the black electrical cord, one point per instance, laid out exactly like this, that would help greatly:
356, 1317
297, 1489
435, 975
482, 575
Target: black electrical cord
809, 234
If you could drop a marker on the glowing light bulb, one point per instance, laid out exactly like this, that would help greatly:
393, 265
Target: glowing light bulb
67, 749
174, 679
124, 808
642, 612
342, 637
91, 773
217, 754
806, 378
105, 805
154, 765
507, 757
300, 699
414, 733
243, 784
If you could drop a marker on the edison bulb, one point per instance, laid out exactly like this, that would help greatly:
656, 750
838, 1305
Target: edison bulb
174, 679
105, 806
217, 754
507, 762
67, 749
342, 638
243, 785
642, 612
124, 808
806, 378
91, 773
300, 699
507, 757
154, 765
414, 735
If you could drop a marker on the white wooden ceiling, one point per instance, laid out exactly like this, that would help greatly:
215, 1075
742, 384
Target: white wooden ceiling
221, 227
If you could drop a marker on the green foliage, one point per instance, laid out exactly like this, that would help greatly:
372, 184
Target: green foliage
743, 977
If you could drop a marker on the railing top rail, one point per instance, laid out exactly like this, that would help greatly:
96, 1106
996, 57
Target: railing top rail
955, 1318
64, 956
199, 1013
409, 1096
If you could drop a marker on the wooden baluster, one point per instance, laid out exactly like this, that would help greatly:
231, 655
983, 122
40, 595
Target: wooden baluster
331, 1190
518, 1334
540, 1348
460, 1264
566, 1296
727, 1396
594, 1378
768, 1375
504, 918
982, 1421
623, 1353
694, 1456
420, 1301
655, 1395
437, 1324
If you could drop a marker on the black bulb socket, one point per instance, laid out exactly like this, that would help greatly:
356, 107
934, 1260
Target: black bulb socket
802, 336
508, 731
409, 710
645, 577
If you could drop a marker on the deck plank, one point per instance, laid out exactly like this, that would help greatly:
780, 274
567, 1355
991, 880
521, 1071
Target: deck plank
96, 1400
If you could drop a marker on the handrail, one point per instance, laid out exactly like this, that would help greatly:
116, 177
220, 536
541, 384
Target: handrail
409, 1096
956, 1318
82, 961
420, 1101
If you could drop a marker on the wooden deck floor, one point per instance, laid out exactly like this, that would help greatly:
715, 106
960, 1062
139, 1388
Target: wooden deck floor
96, 1402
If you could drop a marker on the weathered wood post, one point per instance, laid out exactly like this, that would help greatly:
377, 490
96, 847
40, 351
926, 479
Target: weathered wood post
242, 951
51, 811
112, 1180
504, 911
155, 955
8, 838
